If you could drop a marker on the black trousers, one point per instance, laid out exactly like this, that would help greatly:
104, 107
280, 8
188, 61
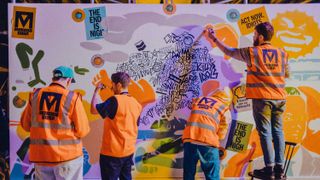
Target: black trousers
112, 168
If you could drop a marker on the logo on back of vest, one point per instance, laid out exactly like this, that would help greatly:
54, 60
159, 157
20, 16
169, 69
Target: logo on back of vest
270, 58
49, 105
206, 103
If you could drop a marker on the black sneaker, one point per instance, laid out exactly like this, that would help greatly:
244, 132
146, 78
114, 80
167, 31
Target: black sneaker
265, 173
279, 172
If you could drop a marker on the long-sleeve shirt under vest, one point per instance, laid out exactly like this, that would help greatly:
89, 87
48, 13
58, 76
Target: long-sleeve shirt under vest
265, 78
243, 54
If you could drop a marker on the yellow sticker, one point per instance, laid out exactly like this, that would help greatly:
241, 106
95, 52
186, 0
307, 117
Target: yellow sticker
240, 102
23, 24
250, 19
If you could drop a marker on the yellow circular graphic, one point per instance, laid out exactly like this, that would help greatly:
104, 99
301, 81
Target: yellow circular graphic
78, 15
296, 32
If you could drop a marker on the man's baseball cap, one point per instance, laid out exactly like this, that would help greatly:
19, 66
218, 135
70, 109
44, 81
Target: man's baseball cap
65, 72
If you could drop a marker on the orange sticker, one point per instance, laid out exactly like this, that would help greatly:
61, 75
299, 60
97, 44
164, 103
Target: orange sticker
78, 15
97, 61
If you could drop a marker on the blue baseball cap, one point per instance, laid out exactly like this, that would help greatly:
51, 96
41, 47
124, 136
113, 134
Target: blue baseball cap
65, 72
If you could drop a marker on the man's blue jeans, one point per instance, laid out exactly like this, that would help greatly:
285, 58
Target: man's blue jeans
268, 118
209, 159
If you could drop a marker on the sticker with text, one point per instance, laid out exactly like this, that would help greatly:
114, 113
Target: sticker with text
250, 19
93, 18
23, 24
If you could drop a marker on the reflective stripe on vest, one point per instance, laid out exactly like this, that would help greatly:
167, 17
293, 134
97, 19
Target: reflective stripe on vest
35, 112
265, 85
256, 58
283, 63
54, 142
212, 116
200, 125
65, 110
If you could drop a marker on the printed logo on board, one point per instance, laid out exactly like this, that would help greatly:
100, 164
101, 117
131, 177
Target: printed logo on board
23, 22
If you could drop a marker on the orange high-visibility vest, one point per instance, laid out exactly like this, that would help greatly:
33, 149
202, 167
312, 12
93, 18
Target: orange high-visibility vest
266, 73
203, 123
54, 134
120, 134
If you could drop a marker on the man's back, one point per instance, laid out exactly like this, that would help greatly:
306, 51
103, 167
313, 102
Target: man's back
266, 72
55, 125
207, 122
120, 133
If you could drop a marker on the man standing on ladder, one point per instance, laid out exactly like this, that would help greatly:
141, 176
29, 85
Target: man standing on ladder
267, 68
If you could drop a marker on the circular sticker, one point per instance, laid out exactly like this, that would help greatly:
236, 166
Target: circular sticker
97, 61
78, 15
169, 8
233, 15
18, 102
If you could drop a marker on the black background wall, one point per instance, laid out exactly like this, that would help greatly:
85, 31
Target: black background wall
4, 120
